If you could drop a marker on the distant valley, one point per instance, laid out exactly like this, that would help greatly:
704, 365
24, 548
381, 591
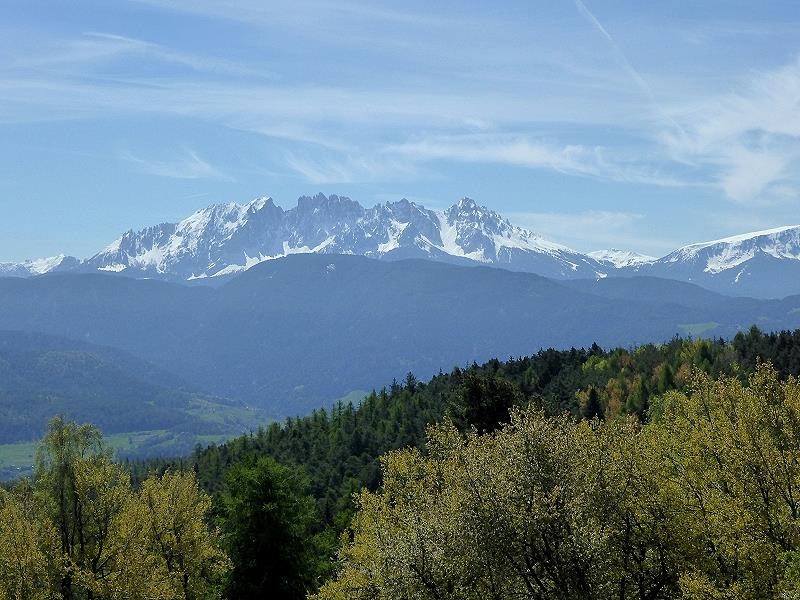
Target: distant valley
241, 314
145, 410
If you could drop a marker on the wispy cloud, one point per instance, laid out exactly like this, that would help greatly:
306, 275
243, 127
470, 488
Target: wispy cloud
317, 14
320, 172
572, 159
187, 166
619, 55
749, 138
350, 169
90, 47
294, 109
745, 143
567, 114
198, 195
594, 230
94, 49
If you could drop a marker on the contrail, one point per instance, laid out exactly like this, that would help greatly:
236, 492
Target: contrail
587, 14
623, 60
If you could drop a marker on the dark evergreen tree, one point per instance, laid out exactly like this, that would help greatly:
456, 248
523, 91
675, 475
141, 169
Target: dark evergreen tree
267, 519
483, 400
593, 408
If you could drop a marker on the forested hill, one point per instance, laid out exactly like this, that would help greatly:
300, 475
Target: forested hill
339, 449
295, 333
42, 375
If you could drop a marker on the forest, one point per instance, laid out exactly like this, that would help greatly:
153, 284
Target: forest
662, 471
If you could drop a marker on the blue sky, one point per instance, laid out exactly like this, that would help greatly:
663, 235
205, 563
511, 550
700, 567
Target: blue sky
597, 123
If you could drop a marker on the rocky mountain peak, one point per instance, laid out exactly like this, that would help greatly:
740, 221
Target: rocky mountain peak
223, 239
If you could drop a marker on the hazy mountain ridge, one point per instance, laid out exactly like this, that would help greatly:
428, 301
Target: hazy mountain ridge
43, 375
224, 239
39, 266
291, 334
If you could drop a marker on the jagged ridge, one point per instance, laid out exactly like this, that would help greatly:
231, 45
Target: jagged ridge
225, 239
229, 238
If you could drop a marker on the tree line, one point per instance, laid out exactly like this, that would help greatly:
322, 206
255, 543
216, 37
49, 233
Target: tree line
274, 504
701, 502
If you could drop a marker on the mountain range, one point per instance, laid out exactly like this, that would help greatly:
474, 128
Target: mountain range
225, 239
295, 333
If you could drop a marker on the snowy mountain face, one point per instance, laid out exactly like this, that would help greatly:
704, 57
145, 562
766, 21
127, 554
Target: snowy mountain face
620, 259
229, 238
762, 264
474, 232
39, 266
729, 253
225, 239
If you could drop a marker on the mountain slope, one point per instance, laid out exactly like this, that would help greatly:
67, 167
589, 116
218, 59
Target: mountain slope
762, 264
292, 333
42, 375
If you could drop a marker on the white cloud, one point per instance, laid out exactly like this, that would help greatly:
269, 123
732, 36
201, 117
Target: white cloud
749, 174
573, 159
187, 166
748, 139
593, 230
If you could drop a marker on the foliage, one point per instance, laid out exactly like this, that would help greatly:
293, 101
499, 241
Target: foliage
654, 472
736, 451
484, 401
702, 502
80, 531
173, 510
267, 520
339, 449
536, 510
28, 549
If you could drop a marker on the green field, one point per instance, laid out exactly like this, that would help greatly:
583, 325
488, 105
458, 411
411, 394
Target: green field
697, 329
356, 396
16, 460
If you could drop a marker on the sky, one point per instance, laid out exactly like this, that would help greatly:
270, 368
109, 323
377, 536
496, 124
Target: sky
596, 123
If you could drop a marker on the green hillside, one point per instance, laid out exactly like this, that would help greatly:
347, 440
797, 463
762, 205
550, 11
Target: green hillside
151, 411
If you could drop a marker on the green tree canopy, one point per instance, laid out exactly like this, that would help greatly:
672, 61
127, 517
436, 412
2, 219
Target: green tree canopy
268, 516
700, 503
79, 531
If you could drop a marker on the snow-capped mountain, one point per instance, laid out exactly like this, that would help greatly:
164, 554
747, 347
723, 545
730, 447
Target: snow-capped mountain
619, 259
229, 238
763, 264
39, 266
729, 253
225, 239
